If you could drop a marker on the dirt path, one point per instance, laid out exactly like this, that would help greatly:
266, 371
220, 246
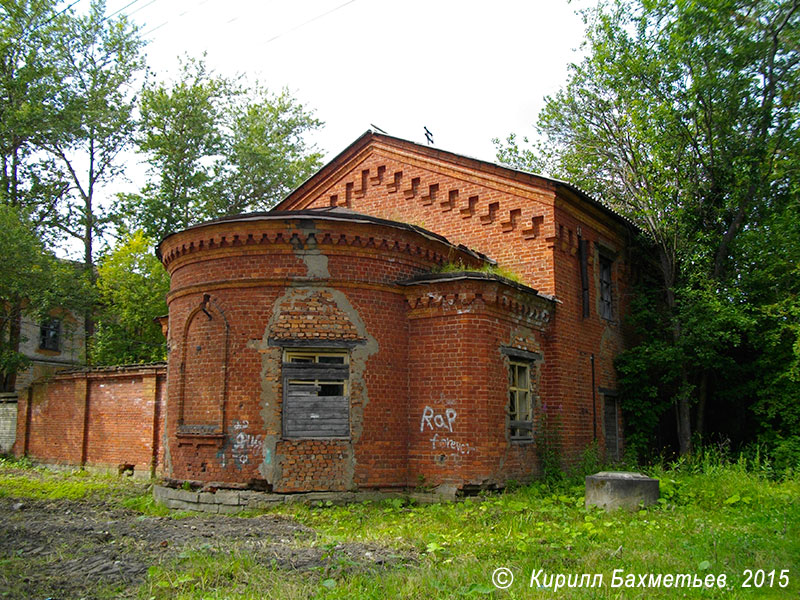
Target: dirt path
71, 549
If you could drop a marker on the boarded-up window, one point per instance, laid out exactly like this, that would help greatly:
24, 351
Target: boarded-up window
316, 403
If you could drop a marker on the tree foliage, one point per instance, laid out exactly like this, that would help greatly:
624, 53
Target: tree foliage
32, 282
67, 97
132, 285
215, 147
30, 95
684, 117
98, 59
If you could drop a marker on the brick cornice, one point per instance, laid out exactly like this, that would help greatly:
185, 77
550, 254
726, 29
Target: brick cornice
221, 237
495, 296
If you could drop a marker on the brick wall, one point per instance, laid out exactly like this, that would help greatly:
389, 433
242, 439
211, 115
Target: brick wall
504, 219
459, 430
104, 417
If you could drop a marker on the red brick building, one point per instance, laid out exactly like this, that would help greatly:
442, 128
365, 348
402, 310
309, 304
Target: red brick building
353, 337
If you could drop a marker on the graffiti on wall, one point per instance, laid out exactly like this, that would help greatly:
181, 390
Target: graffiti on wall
241, 448
439, 422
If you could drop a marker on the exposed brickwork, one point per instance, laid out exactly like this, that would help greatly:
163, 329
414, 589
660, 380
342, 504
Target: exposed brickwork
313, 465
313, 318
203, 363
104, 418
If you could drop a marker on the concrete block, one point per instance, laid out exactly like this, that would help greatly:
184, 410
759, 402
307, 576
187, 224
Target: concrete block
228, 509
182, 505
619, 489
264, 500
183, 495
227, 497
160, 493
446, 492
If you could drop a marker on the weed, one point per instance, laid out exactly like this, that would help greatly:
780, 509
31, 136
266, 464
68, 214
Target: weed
489, 268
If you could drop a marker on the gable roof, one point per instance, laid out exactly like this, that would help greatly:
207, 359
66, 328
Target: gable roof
525, 177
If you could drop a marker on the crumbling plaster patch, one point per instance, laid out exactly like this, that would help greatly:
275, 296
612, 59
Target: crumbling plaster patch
317, 268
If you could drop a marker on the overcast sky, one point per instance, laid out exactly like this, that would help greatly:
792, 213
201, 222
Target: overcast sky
467, 70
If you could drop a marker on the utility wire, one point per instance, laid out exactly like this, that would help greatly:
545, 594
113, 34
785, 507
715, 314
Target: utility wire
180, 16
115, 13
311, 20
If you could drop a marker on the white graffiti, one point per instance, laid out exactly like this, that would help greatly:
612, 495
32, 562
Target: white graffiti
447, 443
433, 420
438, 421
243, 446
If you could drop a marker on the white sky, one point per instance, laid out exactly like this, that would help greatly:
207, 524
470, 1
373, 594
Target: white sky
467, 70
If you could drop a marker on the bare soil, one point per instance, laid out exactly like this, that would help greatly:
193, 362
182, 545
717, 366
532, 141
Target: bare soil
82, 549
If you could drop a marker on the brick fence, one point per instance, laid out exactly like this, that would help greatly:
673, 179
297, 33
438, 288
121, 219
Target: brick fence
108, 417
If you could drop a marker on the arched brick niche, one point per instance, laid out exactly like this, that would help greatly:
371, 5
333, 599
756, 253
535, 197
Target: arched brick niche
298, 341
203, 371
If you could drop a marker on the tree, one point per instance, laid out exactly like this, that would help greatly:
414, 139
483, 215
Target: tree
133, 286
216, 147
98, 60
29, 107
682, 116
32, 281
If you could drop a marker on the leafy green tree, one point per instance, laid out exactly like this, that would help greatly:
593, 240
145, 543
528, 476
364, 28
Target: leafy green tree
682, 116
30, 103
216, 147
133, 286
98, 60
32, 281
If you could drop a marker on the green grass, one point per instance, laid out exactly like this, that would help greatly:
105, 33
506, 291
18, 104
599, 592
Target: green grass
714, 517
484, 268
19, 478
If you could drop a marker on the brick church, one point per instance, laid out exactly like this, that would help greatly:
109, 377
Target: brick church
406, 317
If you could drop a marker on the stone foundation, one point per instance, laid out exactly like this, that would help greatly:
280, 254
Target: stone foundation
234, 501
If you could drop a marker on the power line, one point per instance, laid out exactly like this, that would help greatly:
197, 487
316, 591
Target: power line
326, 13
273, 38
115, 13
51, 19
180, 16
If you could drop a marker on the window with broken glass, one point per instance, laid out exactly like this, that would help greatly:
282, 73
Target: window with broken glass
315, 395
520, 401
50, 335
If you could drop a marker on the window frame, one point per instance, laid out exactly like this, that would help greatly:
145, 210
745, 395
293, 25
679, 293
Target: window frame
50, 335
520, 431
298, 373
605, 277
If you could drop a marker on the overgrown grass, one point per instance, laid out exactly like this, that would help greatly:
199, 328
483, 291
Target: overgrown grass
19, 478
715, 517
491, 269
